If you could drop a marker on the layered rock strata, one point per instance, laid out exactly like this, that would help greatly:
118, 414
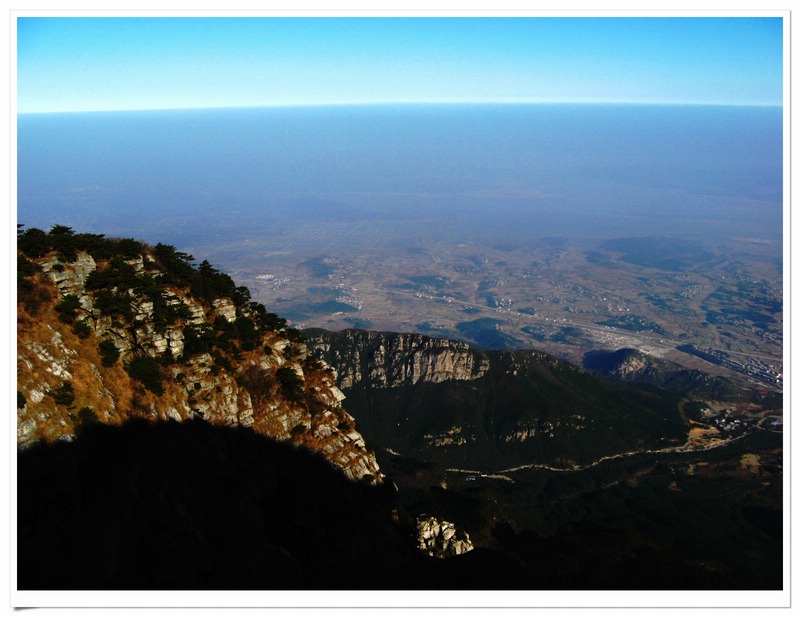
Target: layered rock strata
390, 360
441, 538
272, 385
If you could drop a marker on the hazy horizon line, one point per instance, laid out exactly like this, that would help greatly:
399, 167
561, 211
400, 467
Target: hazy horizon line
404, 104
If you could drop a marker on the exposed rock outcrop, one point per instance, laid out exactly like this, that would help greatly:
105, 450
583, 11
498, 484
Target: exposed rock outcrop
137, 342
392, 360
441, 538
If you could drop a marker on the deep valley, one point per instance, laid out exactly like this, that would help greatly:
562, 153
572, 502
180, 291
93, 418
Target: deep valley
174, 433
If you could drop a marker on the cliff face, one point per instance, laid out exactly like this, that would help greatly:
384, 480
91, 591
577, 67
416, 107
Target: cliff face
444, 401
388, 360
441, 538
110, 337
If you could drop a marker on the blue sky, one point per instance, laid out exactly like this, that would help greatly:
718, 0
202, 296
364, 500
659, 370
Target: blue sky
107, 63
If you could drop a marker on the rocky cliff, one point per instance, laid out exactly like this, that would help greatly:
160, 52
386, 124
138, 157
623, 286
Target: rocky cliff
441, 538
114, 329
444, 401
389, 360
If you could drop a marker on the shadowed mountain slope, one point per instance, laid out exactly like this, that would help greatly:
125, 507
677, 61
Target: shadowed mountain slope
445, 401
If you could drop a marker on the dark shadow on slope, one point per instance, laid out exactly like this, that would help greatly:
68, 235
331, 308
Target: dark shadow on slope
191, 506
188, 506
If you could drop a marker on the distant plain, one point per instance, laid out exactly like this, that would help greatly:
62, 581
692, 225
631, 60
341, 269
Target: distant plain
567, 228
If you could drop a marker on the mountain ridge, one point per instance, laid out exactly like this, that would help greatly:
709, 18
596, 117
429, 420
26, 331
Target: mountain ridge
160, 409
110, 329
481, 406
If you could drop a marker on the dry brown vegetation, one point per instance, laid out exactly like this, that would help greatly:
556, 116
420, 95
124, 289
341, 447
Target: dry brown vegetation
234, 366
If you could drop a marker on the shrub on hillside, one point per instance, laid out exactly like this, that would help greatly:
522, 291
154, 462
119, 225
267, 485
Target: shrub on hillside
33, 242
109, 353
67, 308
177, 266
25, 267
291, 383
117, 274
64, 395
147, 371
81, 328
86, 417
63, 240
247, 333
114, 304
198, 339
28, 293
